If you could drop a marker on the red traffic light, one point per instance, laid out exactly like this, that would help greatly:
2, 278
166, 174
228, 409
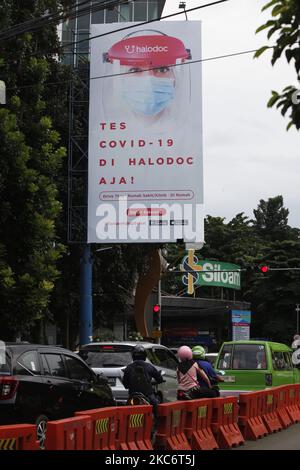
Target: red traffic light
264, 269
156, 308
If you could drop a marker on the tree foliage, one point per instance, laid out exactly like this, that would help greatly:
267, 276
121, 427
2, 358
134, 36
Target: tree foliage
31, 160
285, 25
265, 239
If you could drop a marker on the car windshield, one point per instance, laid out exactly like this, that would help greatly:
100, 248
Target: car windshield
106, 358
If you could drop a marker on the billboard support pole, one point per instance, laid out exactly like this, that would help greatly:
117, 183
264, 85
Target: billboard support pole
86, 299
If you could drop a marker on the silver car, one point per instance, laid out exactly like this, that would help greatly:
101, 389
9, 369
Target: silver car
111, 357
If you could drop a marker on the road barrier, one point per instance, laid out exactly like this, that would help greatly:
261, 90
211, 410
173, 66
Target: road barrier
250, 421
69, 434
135, 427
293, 402
198, 424
282, 401
225, 422
18, 437
202, 424
269, 410
104, 427
170, 433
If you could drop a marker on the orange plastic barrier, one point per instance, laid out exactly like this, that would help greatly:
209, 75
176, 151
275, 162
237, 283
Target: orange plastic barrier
269, 410
18, 437
293, 400
250, 421
198, 425
171, 424
224, 422
69, 434
282, 399
135, 427
104, 427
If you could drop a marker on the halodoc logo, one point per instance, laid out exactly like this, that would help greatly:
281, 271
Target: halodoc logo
132, 49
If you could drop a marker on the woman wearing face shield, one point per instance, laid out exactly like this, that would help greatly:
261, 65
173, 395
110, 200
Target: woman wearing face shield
147, 82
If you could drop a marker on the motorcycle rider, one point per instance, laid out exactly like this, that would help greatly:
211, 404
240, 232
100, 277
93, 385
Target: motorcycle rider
188, 373
199, 356
138, 374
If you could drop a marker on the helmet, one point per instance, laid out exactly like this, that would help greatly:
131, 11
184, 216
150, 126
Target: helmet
198, 352
296, 344
184, 353
139, 353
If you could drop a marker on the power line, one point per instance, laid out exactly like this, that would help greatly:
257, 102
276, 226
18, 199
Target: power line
145, 22
234, 54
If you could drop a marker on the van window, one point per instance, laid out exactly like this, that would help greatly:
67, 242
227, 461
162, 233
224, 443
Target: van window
249, 357
281, 360
225, 357
288, 359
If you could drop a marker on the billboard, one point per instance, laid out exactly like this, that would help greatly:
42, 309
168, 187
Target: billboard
145, 180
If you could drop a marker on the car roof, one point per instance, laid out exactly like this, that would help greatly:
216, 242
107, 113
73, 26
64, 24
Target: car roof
272, 344
27, 346
124, 343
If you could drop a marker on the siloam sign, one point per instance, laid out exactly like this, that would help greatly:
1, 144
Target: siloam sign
215, 273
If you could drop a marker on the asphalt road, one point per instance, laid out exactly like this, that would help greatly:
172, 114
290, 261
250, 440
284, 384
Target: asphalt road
287, 439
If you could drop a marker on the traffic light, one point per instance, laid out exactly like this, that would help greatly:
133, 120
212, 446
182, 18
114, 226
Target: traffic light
156, 309
264, 269
156, 316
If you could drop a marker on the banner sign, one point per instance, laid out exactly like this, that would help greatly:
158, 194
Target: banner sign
145, 181
219, 274
241, 320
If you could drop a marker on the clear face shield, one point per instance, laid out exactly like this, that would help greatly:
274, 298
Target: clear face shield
146, 77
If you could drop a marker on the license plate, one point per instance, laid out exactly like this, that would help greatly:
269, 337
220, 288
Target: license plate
229, 378
111, 381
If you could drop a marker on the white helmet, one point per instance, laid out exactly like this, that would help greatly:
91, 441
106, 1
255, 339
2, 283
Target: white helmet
296, 343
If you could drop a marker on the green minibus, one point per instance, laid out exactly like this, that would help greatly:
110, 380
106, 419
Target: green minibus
255, 365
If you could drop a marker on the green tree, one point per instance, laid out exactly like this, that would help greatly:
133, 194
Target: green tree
285, 23
31, 156
273, 295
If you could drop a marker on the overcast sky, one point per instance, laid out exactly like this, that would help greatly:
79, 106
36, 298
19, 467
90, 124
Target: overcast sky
248, 154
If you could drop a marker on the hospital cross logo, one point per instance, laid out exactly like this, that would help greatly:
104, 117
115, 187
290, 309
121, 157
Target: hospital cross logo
190, 266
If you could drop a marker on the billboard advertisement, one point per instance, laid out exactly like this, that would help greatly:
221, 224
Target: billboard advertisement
145, 179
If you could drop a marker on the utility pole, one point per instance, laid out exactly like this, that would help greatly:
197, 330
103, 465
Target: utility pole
86, 299
159, 313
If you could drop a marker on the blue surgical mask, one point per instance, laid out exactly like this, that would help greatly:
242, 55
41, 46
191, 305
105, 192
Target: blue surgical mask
148, 95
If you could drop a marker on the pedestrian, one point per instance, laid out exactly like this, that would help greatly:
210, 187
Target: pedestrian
188, 375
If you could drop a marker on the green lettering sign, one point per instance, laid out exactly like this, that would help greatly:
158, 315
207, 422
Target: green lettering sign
215, 273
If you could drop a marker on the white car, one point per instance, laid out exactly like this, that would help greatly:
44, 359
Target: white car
111, 357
